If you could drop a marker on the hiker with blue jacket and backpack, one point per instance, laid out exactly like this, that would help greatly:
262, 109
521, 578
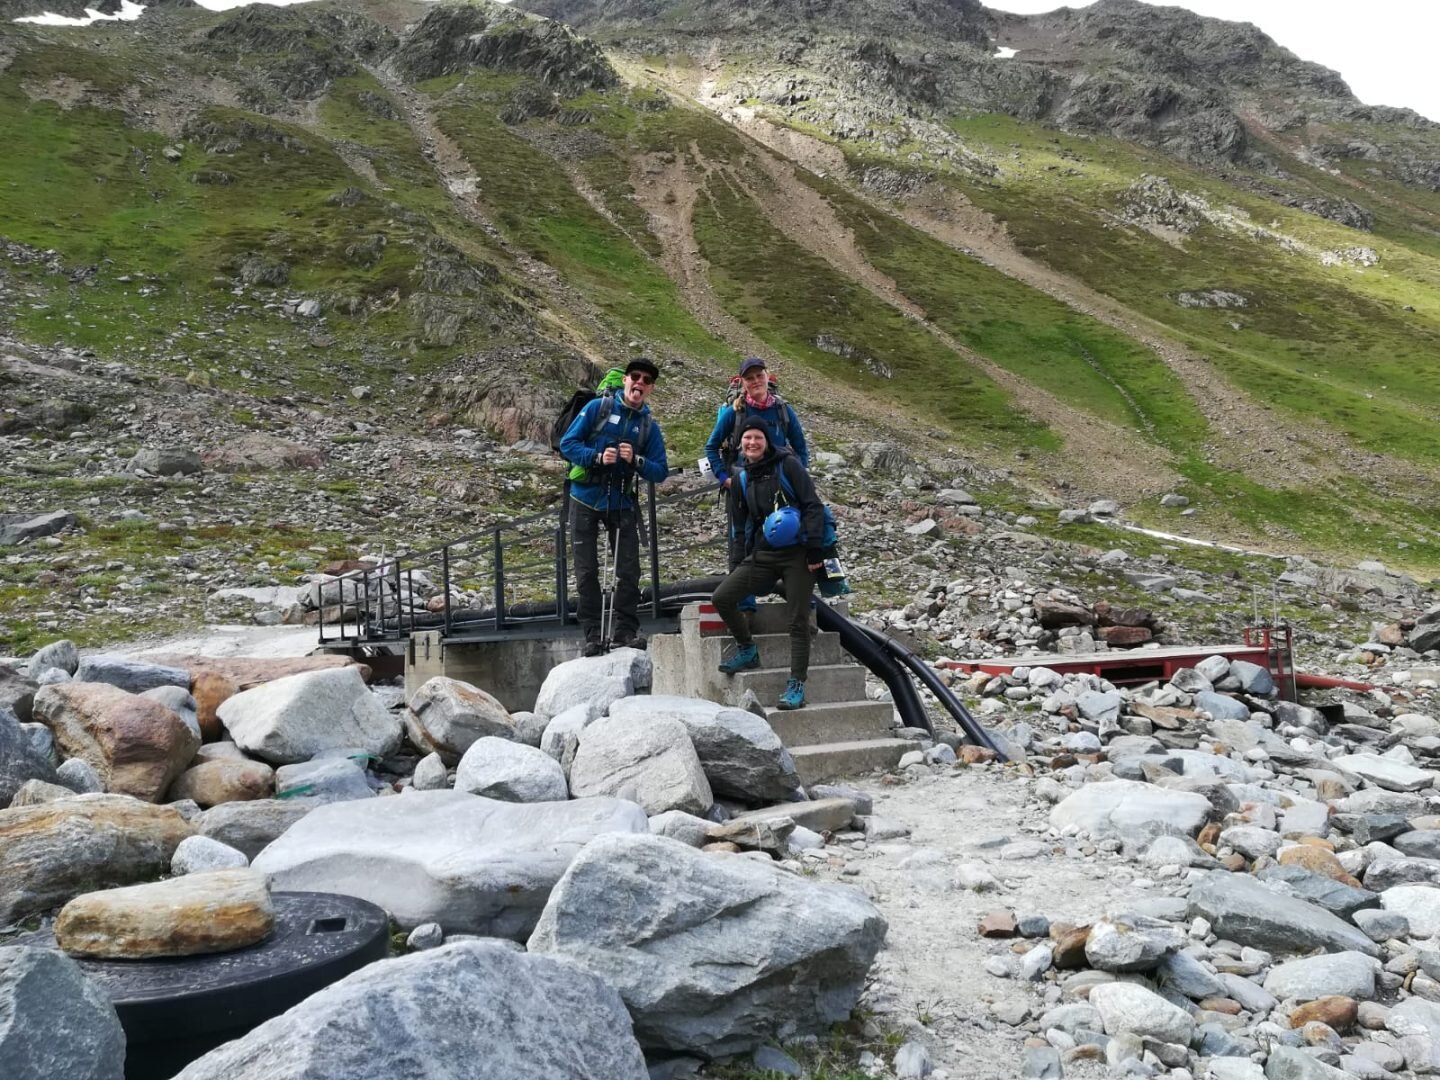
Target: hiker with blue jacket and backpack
754, 397
781, 521
611, 442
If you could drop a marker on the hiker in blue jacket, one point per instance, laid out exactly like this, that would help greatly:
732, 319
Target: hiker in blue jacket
782, 524
755, 397
614, 440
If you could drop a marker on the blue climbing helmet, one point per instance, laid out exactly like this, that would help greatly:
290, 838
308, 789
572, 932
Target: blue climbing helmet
782, 527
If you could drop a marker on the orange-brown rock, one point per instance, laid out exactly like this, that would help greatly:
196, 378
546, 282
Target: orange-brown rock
1228, 1006
1069, 951
51, 852
1209, 836
976, 755
1167, 717
1234, 862
722, 847
210, 690
135, 744
1317, 860
1316, 841
1125, 636
997, 924
214, 782
1335, 1012
210, 912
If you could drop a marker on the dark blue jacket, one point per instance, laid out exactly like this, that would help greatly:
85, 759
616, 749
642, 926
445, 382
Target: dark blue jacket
781, 425
606, 487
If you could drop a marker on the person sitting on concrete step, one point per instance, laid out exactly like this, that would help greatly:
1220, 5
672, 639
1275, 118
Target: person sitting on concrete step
781, 521
625, 444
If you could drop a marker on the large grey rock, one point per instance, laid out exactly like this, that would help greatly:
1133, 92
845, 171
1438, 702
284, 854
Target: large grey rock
1418, 843
1334, 896
1250, 995
472, 1009
1182, 973
1100, 708
651, 762
17, 694
1386, 873
446, 715
1121, 806
1348, 974
1292, 1063
1420, 904
678, 825
1251, 840
250, 826
430, 774
1424, 637
135, 676
596, 681
742, 756
1221, 706
711, 955
60, 654
1254, 679
1385, 772
325, 780
1130, 1009
470, 864
1242, 909
165, 461
510, 771
55, 1023
292, 719
19, 760
561, 737
1130, 943
18, 528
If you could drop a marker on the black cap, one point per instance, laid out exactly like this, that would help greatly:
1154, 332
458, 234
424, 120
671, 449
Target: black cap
640, 363
750, 363
754, 423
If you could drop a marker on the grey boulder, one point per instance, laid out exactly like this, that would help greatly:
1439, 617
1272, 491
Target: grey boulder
1130, 943
250, 826
470, 864
17, 694
60, 654
1221, 706
712, 955
473, 1009
136, 676
445, 716
198, 854
1242, 909
1292, 1063
651, 762
1122, 806
1349, 974
19, 760
325, 780
54, 1022
179, 701
510, 771
594, 681
292, 719
740, 753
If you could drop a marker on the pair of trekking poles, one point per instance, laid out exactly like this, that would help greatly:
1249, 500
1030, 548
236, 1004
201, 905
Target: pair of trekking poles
610, 579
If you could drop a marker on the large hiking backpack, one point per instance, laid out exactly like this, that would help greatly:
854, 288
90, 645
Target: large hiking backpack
608, 388
735, 399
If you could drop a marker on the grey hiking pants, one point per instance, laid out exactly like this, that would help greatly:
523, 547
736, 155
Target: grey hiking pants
756, 576
586, 528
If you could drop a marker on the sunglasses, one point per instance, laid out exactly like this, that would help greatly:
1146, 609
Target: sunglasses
644, 378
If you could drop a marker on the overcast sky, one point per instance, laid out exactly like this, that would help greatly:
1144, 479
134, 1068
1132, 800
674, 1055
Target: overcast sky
1382, 47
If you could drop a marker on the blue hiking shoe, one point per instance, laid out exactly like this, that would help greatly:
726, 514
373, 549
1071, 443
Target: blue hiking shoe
794, 695
746, 656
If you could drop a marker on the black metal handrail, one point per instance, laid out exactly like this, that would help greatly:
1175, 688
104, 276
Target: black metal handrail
379, 604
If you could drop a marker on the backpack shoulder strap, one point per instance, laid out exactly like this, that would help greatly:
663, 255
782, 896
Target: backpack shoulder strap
785, 483
602, 412
748, 494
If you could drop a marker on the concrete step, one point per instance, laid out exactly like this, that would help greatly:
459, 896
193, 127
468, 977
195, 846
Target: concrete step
843, 721
827, 761
824, 684
775, 650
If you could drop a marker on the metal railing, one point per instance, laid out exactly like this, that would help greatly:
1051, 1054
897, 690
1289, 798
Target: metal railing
513, 572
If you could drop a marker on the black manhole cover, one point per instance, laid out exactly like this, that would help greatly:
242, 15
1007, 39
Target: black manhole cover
175, 1010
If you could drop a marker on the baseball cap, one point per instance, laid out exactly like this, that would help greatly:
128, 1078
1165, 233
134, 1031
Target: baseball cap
750, 363
641, 363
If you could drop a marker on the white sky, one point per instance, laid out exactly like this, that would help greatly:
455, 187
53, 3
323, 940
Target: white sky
1382, 48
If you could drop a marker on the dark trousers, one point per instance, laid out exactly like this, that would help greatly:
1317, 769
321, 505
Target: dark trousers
586, 528
756, 576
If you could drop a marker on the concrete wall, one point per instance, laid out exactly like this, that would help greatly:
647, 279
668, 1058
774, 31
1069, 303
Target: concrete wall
512, 671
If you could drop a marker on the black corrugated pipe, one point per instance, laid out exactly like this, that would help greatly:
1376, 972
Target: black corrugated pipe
859, 641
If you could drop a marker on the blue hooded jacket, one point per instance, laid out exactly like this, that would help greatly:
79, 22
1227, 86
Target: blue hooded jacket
782, 427
606, 487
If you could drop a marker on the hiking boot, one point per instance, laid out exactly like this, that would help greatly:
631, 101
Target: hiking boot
593, 647
746, 656
628, 639
794, 695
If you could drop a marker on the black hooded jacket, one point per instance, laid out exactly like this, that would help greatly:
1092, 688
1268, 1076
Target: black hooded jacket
764, 492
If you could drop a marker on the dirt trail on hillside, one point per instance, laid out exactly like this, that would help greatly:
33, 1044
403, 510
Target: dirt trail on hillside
1247, 436
1101, 457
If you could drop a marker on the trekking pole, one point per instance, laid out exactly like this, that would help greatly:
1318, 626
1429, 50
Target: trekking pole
607, 614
